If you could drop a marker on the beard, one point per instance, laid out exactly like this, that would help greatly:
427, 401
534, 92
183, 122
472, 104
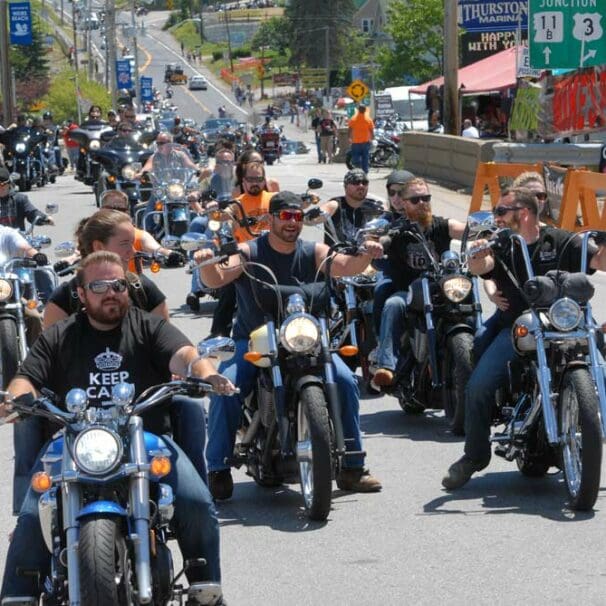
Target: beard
290, 235
108, 312
423, 216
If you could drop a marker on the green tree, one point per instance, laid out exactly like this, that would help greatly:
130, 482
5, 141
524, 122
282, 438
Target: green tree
275, 32
308, 19
417, 30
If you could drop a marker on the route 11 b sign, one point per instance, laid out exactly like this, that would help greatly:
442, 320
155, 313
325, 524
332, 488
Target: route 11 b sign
567, 34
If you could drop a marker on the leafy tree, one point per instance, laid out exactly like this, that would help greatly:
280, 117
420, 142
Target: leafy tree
275, 32
417, 30
308, 19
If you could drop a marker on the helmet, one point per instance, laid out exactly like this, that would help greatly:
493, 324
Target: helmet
47, 116
399, 176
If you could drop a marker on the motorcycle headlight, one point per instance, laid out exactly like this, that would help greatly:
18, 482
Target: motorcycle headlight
456, 288
128, 172
565, 314
20, 148
97, 451
175, 191
6, 290
94, 144
299, 333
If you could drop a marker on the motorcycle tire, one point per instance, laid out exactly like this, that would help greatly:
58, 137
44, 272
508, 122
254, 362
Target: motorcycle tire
532, 466
581, 452
313, 433
458, 366
105, 572
24, 183
9, 352
100, 189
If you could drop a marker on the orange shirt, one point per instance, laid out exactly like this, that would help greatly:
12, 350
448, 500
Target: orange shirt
361, 126
254, 206
138, 246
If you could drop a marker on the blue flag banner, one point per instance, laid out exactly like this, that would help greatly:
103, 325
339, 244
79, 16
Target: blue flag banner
493, 15
147, 93
123, 77
20, 19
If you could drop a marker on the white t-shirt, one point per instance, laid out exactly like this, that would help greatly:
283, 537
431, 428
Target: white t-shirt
11, 242
471, 132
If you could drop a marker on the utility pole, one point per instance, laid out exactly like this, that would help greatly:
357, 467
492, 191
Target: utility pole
110, 19
327, 57
5, 69
135, 53
89, 43
201, 25
231, 61
452, 118
76, 66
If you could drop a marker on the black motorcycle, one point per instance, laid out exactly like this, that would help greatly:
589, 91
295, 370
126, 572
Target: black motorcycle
23, 155
90, 140
385, 152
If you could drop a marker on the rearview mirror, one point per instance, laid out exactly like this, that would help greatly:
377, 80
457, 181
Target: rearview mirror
65, 249
220, 348
314, 184
52, 208
192, 241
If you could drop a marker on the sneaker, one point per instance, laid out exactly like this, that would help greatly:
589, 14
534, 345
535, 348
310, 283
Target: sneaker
220, 484
383, 377
358, 479
459, 472
193, 302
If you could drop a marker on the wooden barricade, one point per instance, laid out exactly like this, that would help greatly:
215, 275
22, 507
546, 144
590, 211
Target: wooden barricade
580, 187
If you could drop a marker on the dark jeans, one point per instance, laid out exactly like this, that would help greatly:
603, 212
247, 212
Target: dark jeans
195, 524
188, 418
393, 325
489, 374
360, 155
383, 290
223, 318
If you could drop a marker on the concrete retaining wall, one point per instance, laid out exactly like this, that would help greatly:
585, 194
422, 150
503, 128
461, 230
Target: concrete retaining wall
445, 157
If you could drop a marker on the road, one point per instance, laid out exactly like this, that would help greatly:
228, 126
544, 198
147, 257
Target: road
502, 539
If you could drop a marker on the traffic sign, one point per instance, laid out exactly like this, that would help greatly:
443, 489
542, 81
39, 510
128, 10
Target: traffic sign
563, 37
357, 90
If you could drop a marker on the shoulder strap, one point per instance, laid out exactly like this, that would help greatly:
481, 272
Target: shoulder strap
75, 305
136, 291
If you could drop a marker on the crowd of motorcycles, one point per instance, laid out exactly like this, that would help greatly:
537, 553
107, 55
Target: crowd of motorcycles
104, 470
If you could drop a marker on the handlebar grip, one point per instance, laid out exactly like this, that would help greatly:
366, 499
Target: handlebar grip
214, 260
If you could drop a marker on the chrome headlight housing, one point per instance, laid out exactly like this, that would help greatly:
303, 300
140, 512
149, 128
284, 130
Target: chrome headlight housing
6, 290
565, 314
94, 144
456, 288
20, 148
128, 172
175, 191
97, 450
300, 333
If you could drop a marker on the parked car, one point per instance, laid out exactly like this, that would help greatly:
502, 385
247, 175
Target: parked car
198, 83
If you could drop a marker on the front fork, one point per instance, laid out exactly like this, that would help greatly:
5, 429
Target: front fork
431, 334
596, 366
547, 396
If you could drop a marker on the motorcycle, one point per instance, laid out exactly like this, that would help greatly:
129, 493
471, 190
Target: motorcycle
443, 313
120, 160
102, 477
269, 145
90, 140
554, 407
385, 152
23, 156
51, 153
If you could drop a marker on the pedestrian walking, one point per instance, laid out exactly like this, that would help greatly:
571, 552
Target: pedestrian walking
361, 133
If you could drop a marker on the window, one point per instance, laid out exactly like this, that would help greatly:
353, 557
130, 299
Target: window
367, 25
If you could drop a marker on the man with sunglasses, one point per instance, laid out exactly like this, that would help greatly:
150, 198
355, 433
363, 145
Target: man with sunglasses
549, 248
293, 261
406, 261
106, 343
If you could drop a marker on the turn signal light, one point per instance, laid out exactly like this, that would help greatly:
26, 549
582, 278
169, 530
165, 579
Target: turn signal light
41, 481
83, 150
158, 205
160, 466
348, 351
521, 331
154, 267
252, 356
31, 304
111, 178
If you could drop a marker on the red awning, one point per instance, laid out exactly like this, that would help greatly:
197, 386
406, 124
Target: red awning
493, 73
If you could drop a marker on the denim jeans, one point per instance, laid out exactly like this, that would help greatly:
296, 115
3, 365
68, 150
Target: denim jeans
223, 317
384, 288
393, 325
225, 412
198, 225
195, 524
188, 418
489, 374
359, 155
319, 149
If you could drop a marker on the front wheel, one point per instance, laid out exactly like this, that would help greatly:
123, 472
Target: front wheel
314, 452
105, 574
458, 367
582, 442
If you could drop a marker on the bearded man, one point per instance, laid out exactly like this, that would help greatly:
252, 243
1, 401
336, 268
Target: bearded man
406, 261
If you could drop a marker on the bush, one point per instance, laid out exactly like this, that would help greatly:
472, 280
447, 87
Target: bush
217, 55
173, 19
241, 52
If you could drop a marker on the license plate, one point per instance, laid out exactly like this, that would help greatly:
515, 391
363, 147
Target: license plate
270, 144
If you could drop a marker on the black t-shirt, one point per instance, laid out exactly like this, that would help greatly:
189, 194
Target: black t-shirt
554, 249
73, 354
63, 294
407, 259
348, 220
327, 127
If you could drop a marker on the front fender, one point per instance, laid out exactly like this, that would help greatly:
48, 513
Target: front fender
306, 380
105, 507
460, 327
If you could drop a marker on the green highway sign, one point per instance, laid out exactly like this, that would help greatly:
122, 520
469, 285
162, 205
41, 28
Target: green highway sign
566, 34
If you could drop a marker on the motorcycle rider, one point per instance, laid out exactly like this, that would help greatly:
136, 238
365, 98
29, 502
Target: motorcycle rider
406, 260
149, 349
549, 248
291, 259
15, 208
52, 134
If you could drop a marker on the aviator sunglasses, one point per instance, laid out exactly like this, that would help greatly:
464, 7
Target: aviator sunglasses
289, 215
501, 211
100, 287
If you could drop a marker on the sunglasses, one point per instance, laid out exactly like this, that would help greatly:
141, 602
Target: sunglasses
289, 215
2, 183
100, 287
395, 192
416, 199
254, 179
359, 182
541, 195
501, 211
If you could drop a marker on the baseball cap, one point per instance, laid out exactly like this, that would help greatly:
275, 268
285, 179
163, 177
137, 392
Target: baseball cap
4, 174
285, 199
353, 175
399, 176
